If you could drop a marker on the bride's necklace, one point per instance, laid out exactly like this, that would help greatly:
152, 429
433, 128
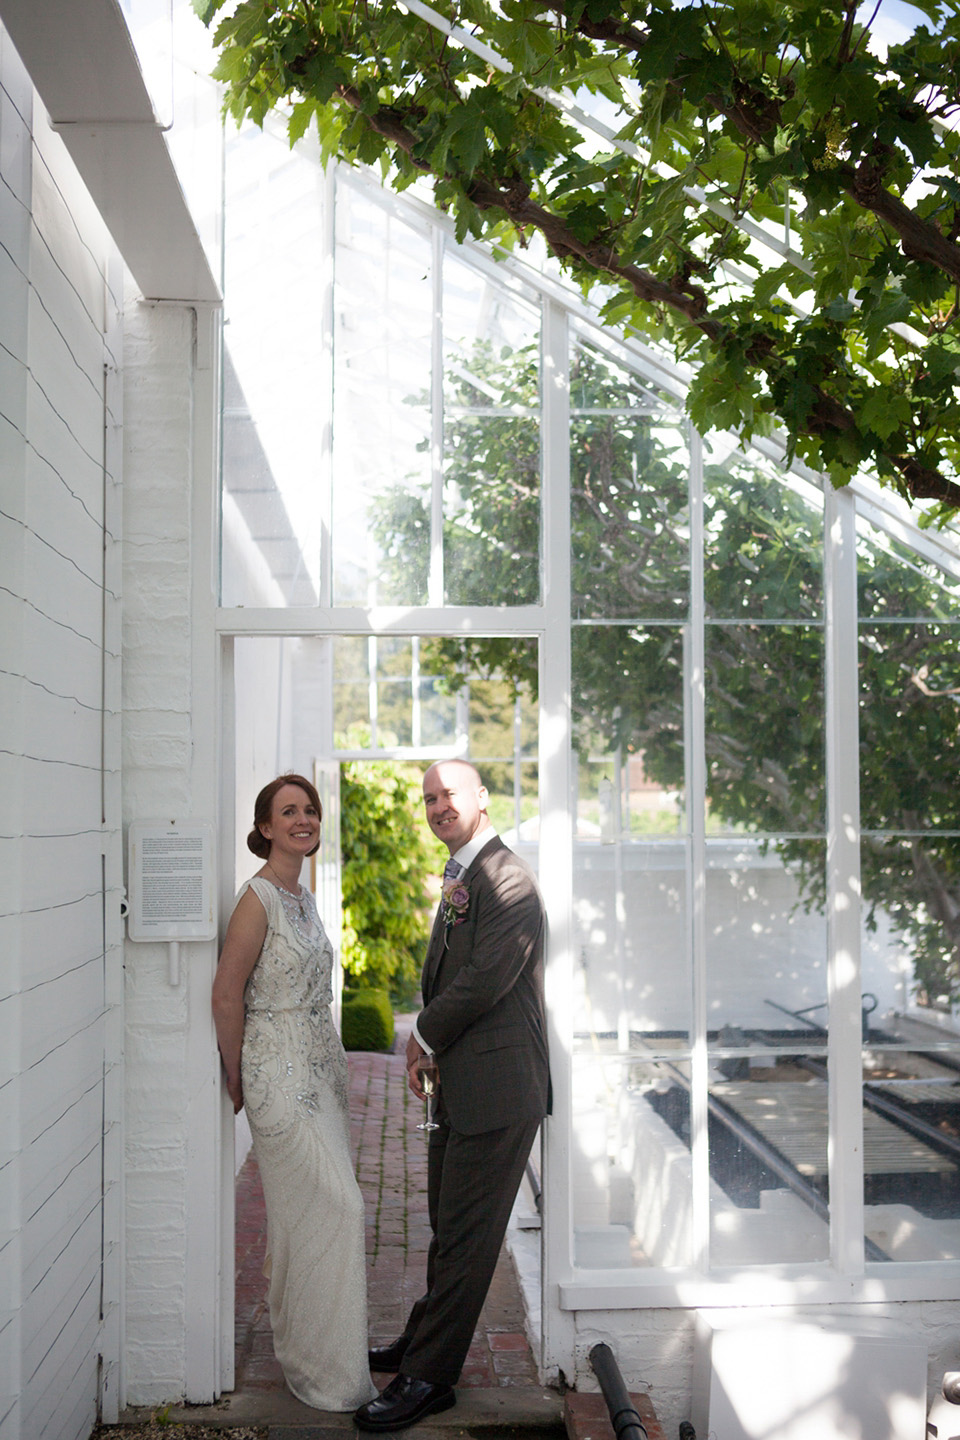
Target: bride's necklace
297, 899
296, 909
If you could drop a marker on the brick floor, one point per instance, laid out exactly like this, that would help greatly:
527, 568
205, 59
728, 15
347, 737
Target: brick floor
391, 1160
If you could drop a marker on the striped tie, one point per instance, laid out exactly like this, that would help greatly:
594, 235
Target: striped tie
452, 870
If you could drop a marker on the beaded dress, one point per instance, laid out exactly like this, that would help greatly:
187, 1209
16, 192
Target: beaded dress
294, 1075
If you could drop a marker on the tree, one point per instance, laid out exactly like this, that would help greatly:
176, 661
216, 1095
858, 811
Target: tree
385, 865
725, 125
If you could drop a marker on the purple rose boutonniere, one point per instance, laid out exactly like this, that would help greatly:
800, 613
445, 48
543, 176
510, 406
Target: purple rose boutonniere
456, 898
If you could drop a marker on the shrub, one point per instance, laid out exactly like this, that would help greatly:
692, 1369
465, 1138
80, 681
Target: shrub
388, 853
367, 1020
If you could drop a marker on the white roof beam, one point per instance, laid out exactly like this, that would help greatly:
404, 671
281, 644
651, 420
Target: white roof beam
81, 59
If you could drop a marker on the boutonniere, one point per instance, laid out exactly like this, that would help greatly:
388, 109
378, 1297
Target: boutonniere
456, 898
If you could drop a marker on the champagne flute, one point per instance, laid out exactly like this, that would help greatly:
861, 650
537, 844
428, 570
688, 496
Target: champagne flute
428, 1074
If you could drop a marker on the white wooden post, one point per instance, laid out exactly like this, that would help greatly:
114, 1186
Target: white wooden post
556, 835
845, 1152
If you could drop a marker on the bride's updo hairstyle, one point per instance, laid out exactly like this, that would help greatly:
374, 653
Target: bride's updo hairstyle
263, 809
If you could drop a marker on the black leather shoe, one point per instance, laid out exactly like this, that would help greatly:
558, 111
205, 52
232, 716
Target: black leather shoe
404, 1401
387, 1357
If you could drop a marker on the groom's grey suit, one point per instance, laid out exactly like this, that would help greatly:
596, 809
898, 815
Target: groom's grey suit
484, 1018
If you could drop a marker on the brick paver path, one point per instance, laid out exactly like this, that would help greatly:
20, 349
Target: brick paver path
391, 1159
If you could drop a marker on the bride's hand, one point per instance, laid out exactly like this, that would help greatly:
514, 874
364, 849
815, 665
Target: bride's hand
235, 1091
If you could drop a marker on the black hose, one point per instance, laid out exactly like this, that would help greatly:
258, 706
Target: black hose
626, 1423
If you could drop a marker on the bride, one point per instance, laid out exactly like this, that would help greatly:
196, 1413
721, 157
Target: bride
284, 1061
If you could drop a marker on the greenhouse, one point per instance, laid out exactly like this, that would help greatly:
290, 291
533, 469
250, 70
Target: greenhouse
399, 497
500, 473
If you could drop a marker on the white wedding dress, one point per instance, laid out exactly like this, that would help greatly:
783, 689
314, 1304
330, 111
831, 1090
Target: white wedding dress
295, 1091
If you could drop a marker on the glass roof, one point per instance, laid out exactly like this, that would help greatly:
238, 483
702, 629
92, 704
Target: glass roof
261, 210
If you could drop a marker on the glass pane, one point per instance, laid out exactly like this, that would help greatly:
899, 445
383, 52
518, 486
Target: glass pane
529, 723
764, 728
351, 692
381, 414
631, 1162
766, 946
911, 1141
630, 921
491, 442
897, 582
630, 908
911, 1053
492, 510
491, 339
763, 554
493, 718
273, 425
629, 513
628, 713
384, 696
909, 726
911, 945
768, 1160
513, 801
392, 659
766, 964
438, 714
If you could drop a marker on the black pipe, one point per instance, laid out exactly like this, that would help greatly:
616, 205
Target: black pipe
626, 1423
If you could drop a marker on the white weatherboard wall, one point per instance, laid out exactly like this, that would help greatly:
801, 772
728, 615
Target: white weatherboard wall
60, 854
127, 1301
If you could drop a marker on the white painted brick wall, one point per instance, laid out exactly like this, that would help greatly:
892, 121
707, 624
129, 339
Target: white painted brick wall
655, 1348
157, 754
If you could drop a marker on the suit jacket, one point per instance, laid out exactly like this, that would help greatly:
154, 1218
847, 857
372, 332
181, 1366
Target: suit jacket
483, 1010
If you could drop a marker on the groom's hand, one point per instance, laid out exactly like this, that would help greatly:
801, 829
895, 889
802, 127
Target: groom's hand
415, 1054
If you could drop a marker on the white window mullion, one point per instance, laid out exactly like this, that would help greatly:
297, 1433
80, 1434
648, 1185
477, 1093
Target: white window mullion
415, 690
845, 1148
373, 698
696, 782
328, 213
556, 829
462, 722
620, 903
517, 765
435, 582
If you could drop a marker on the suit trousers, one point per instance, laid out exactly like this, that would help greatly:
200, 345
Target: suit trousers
472, 1183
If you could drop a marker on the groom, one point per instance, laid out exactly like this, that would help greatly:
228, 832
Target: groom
483, 1019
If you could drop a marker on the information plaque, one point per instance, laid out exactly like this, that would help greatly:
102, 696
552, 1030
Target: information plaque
171, 880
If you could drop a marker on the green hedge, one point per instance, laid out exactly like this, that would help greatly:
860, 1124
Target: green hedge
388, 854
367, 1020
